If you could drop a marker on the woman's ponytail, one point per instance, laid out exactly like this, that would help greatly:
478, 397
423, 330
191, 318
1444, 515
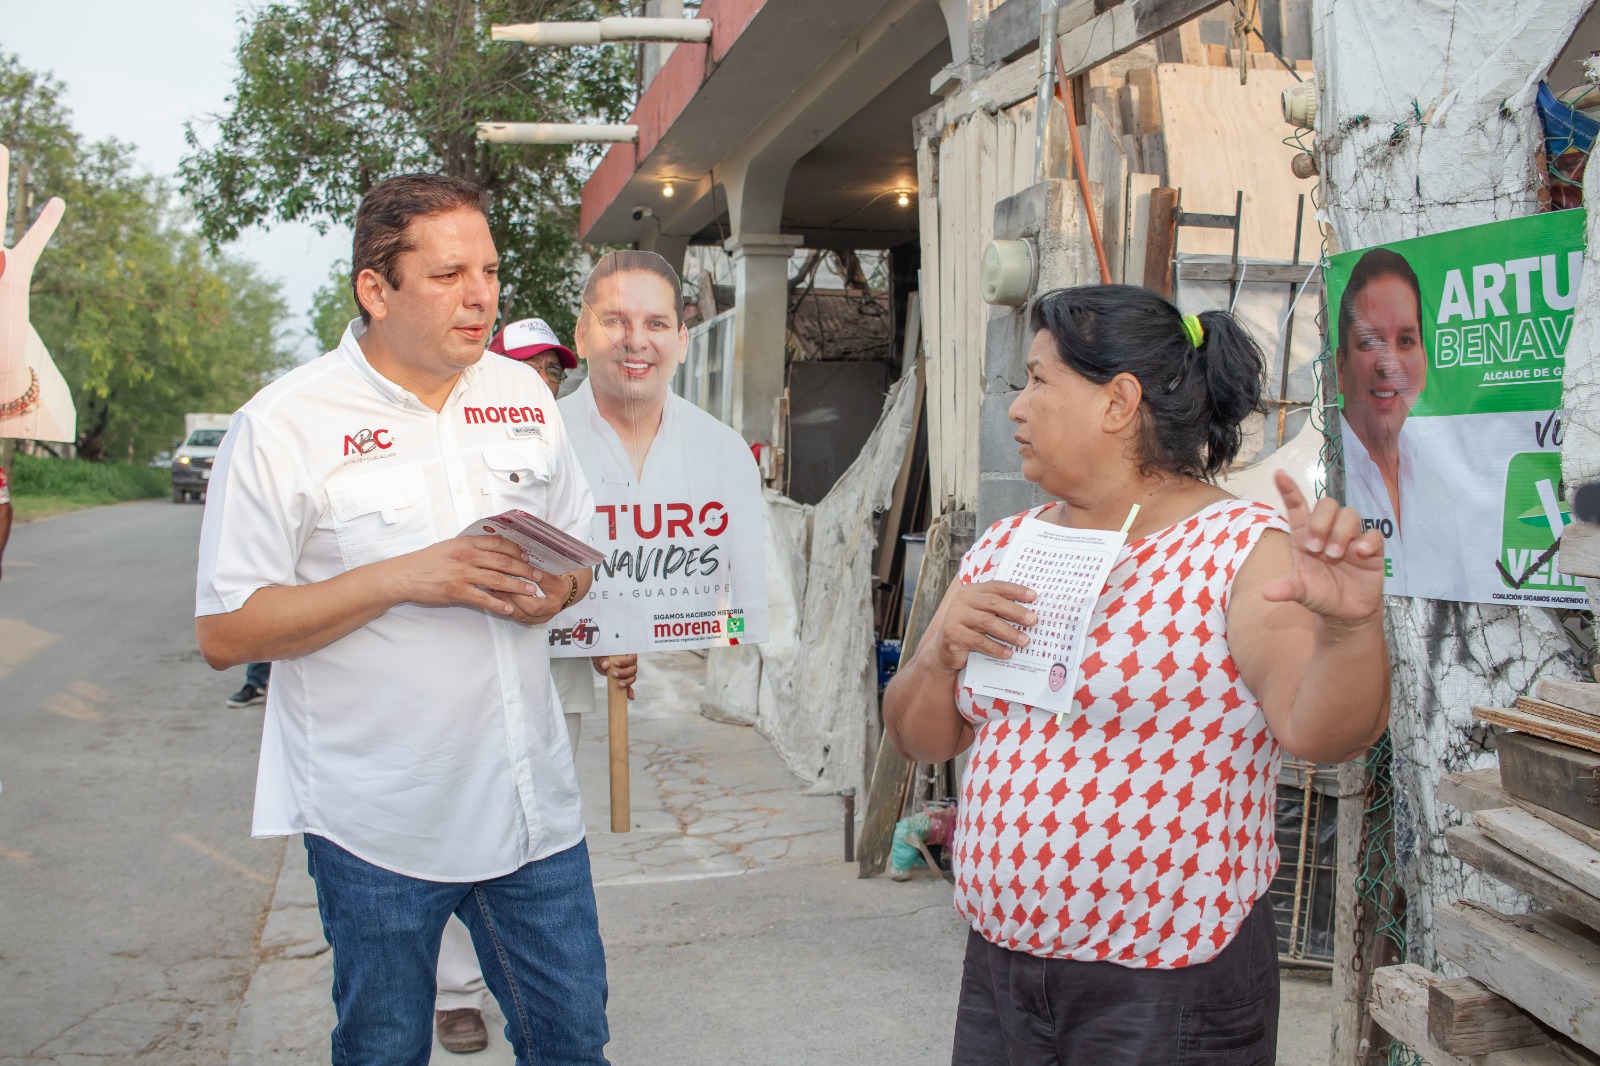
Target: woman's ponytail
1234, 367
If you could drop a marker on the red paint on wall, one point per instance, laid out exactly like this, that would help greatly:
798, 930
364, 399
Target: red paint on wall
679, 79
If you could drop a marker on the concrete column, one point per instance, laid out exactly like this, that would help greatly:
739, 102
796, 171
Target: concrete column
1050, 215
760, 327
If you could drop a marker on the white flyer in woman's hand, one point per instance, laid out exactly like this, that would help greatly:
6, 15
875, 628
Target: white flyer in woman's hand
1067, 568
545, 547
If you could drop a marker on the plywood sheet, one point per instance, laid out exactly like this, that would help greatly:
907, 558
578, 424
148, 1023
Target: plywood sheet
1108, 166
1222, 137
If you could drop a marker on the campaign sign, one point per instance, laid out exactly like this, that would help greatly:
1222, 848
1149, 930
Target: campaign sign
678, 507
1449, 351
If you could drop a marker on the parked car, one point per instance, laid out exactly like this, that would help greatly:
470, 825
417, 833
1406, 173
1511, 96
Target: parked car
192, 459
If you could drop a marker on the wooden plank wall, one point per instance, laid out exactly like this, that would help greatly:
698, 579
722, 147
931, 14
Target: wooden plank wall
979, 160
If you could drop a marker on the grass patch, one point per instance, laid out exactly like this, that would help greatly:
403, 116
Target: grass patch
41, 487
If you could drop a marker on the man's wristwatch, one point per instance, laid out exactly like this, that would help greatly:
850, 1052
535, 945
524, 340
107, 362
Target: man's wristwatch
572, 593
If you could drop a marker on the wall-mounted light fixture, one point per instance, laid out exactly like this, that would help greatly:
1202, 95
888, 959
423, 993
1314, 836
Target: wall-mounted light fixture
903, 198
667, 190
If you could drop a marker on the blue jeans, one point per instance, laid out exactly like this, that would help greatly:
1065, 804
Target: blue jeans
256, 674
536, 932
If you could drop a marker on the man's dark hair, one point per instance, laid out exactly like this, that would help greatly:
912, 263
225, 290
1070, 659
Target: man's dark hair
383, 222
628, 260
1374, 264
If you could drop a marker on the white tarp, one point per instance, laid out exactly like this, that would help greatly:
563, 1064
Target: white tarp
817, 684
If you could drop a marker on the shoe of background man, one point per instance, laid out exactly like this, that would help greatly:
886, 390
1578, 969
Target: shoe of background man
247, 696
461, 1031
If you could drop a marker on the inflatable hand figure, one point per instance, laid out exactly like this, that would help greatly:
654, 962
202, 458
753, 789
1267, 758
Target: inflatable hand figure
35, 403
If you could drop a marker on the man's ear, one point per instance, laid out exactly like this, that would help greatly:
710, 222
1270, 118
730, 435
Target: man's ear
372, 294
1124, 395
683, 342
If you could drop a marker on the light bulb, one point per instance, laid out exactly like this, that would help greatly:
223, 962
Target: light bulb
666, 189
904, 199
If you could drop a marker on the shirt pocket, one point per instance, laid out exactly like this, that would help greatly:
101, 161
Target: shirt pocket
517, 477
378, 515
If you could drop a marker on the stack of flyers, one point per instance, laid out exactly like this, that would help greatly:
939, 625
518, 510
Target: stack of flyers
545, 547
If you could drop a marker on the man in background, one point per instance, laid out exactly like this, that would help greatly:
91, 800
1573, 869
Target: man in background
533, 343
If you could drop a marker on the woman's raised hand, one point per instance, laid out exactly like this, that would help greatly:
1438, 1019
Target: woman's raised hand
1336, 570
987, 617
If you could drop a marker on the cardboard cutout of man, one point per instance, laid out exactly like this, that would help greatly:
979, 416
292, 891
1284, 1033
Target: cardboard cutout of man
35, 403
679, 512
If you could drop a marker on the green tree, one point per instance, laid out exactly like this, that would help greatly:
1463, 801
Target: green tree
143, 318
333, 96
333, 305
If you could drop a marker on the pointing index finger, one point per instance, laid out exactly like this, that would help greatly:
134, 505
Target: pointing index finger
1294, 501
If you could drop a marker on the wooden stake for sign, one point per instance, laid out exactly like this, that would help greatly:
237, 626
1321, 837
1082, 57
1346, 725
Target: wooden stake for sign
617, 714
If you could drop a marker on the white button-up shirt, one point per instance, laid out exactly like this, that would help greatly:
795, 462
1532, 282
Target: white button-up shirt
1366, 494
428, 741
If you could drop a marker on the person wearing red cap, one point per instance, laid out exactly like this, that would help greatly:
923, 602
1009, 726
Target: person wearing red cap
532, 341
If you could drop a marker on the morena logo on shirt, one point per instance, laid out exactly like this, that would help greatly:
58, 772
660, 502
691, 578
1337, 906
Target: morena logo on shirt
585, 634
477, 416
368, 441
679, 519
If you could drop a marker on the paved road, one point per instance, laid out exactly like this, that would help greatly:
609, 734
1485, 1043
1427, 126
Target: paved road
131, 894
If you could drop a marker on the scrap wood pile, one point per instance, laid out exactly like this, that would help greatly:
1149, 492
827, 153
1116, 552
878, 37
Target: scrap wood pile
1532, 994
1192, 127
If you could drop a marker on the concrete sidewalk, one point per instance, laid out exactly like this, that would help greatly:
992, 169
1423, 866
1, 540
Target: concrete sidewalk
734, 931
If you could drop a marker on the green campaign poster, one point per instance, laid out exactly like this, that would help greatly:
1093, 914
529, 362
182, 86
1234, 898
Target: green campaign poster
1449, 352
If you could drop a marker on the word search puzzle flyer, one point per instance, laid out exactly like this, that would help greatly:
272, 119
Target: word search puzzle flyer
1067, 569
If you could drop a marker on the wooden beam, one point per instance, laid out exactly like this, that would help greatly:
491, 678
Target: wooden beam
1587, 739
1475, 849
1400, 1004
1465, 1018
1543, 845
1579, 695
891, 775
1472, 790
1161, 235
1223, 269
1359, 949
1548, 970
1481, 790
1555, 776
1085, 43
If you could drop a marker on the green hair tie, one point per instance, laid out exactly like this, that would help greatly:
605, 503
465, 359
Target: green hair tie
1195, 332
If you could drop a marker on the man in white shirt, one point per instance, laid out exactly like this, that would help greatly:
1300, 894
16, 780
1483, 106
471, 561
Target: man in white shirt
411, 729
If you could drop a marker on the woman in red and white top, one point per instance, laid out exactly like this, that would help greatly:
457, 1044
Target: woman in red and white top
1113, 863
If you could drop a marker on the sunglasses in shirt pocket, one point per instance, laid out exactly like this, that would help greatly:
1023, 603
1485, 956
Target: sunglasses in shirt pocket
379, 514
517, 476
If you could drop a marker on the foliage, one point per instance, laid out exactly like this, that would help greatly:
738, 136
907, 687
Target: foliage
333, 305
143, 319
95, 483
334, 96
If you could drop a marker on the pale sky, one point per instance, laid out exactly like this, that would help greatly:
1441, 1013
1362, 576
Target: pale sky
137, 72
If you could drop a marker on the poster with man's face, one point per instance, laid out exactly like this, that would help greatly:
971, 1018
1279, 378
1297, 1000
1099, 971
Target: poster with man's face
1449, 351
678, 505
